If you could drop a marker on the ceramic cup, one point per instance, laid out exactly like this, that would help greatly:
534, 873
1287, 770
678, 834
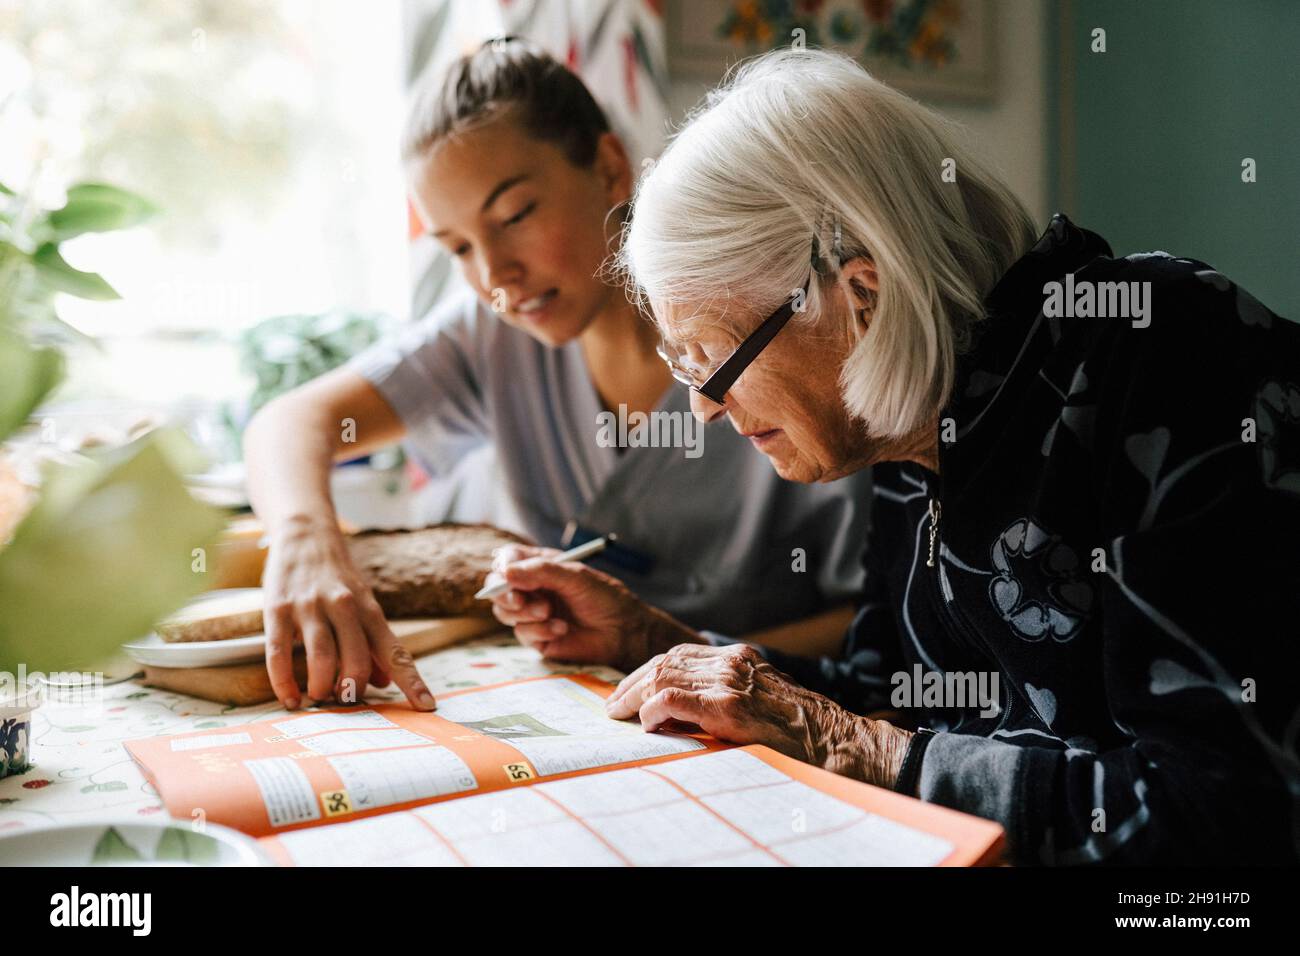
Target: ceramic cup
16, 706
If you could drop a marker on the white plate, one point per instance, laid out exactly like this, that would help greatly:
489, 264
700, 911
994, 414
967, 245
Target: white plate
122, 842
156, 652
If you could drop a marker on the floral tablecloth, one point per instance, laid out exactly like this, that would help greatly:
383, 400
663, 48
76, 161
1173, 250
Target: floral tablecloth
81, 770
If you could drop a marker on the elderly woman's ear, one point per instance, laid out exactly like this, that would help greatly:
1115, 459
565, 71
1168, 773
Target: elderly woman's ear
861, 286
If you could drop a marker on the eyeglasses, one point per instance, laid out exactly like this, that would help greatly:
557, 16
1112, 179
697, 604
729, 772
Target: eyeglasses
715, 386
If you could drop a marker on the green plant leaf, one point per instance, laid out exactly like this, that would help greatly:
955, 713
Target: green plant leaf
11, 255
15, 279
29, 373
94, 207
56, 273
5, 190
44, 321
186, 846
107, 551
111, 848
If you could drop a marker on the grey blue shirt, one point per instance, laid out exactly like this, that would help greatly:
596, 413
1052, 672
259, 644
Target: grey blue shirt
714, 535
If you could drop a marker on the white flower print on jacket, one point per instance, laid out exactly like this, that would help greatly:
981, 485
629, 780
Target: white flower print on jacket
1037, 585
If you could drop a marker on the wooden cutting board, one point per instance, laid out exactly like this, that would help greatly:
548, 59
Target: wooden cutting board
244, 684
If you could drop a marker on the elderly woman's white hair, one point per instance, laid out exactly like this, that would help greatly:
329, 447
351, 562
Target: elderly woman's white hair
748, 194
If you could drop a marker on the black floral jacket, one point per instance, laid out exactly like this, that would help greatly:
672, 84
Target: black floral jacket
1118, 539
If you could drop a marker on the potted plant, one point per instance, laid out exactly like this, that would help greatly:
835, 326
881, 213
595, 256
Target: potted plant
108, 541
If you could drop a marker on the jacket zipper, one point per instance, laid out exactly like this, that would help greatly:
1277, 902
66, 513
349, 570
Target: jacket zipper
946, 599
936, 511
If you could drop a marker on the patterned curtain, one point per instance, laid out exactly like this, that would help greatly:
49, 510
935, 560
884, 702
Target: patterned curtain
617, 47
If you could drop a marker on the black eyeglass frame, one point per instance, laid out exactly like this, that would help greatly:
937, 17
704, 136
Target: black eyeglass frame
716, 386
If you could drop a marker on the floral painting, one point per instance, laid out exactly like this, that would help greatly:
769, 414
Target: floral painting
940, 49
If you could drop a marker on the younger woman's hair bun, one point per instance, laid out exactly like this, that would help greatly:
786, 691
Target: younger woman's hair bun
507, 75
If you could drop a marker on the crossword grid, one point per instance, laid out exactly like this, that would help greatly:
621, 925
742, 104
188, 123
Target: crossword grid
384, 777
705, 784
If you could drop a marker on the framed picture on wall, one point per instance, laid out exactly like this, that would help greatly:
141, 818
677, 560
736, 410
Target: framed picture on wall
931, 49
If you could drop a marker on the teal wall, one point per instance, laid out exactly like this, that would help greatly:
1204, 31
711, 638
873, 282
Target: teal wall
1161, 122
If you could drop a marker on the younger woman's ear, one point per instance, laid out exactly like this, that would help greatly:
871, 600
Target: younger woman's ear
614, 169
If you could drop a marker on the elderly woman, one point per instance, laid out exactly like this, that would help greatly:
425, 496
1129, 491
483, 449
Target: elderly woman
1078, 457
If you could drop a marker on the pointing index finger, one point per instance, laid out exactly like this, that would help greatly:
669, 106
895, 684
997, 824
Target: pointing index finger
399, 664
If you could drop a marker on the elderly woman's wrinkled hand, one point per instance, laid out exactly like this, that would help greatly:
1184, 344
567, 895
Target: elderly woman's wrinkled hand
570, 612
734, 694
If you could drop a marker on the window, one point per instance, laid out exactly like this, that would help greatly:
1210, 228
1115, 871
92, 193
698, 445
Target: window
266, 130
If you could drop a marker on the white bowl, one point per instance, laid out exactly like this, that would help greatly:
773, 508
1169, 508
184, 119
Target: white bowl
122, 842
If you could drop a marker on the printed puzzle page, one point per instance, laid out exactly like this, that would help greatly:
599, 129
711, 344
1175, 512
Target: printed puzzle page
310, 769
744, 807
533, 772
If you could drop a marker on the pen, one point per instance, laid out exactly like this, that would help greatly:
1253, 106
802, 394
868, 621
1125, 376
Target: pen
580, 553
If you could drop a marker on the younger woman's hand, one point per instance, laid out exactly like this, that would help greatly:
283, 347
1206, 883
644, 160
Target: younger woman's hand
312, 589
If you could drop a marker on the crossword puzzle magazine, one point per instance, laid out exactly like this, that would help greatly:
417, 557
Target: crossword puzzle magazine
532, 772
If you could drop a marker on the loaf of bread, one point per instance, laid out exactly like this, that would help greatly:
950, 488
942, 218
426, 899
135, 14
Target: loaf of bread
432, 572
217, 617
